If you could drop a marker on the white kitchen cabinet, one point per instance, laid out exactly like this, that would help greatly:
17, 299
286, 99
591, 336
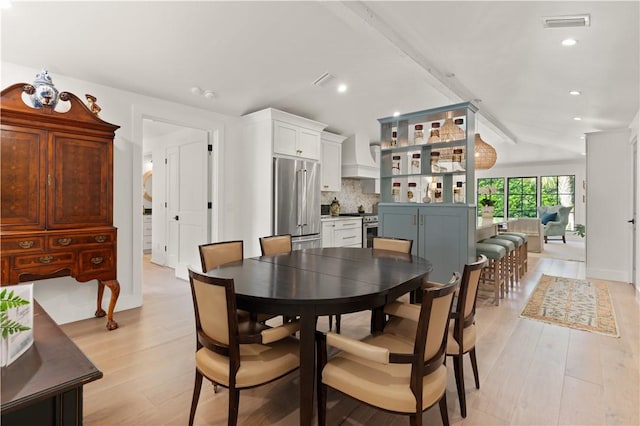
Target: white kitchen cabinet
328, 233
296, 141
342, 232
331, 162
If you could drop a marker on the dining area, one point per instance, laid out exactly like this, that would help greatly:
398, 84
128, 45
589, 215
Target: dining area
529, 372
271, 305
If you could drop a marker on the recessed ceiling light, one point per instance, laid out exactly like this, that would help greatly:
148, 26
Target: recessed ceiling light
207, 93
569, 42
575, 92
577, 118
342, 88
396, 113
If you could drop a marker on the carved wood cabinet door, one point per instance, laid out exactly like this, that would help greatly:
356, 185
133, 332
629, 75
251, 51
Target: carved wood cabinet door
80, 190
23, 159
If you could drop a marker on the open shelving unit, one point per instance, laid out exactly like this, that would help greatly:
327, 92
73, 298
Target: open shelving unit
447, 171
443, 230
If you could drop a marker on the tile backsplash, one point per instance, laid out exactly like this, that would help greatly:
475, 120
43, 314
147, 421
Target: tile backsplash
351, 196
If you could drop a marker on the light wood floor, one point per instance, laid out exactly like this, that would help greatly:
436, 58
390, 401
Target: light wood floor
531, 373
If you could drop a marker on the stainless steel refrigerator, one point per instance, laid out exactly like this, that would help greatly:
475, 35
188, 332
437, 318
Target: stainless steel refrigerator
296, 201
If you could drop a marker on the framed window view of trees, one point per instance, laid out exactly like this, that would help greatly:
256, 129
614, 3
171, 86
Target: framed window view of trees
522, 194
496, 196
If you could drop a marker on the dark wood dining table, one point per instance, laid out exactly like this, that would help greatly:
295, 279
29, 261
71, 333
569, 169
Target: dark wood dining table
313, 282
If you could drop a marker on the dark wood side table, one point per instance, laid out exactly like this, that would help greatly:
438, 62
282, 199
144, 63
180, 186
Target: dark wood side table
44, 385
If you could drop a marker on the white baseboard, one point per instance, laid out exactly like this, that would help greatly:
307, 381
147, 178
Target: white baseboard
608, 274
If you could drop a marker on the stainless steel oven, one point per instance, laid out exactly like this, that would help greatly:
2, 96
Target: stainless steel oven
369, 230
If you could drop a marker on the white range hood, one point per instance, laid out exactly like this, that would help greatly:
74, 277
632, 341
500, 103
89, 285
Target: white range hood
357, 161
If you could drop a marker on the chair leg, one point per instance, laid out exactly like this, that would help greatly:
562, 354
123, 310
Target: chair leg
321, 388
330, 322
338, 318
322, 404
474, 366
497, 281
196, 396
443, 409
459, 373
234, 401
564, 240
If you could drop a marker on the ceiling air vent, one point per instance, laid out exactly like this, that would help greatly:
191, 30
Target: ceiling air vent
323, 79
567, 21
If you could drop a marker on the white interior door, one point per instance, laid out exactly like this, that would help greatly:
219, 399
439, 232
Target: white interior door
187, 173
634, 217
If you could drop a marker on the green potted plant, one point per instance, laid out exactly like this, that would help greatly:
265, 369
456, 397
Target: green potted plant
486, 201
580, 230
9, 300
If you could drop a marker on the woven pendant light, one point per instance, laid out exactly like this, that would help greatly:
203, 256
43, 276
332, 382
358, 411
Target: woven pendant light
485, 154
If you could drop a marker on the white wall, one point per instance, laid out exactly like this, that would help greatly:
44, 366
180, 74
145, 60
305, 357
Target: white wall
65, 299
577, 168
609, 205
252, 181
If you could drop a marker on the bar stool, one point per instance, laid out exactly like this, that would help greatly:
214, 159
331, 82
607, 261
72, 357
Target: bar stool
509, 263
524, 256
519, 242
493, 272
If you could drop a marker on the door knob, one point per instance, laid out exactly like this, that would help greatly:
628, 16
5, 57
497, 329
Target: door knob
631, 221
176, 217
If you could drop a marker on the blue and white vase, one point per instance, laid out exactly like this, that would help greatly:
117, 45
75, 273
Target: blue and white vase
45, 91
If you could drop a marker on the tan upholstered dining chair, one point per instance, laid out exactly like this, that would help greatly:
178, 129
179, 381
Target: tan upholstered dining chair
400, 245
237, 355
275, 244
462, 335
390, 371
462, 332
213, 255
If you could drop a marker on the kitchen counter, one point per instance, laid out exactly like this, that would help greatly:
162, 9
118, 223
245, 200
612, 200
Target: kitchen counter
487, 228
331, 218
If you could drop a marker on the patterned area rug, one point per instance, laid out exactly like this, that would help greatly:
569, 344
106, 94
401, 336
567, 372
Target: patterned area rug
579, 304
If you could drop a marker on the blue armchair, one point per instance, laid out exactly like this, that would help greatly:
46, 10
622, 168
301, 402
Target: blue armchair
554, 226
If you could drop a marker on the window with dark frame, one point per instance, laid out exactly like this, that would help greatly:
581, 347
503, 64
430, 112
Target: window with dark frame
522, 196
497, 198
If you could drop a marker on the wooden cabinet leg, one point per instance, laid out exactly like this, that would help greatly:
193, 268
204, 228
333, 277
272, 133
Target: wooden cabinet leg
114, 286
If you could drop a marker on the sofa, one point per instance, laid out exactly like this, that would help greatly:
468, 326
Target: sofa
555, 220
532, 228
